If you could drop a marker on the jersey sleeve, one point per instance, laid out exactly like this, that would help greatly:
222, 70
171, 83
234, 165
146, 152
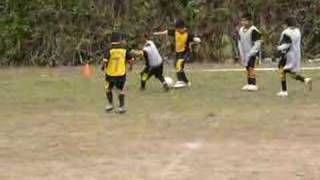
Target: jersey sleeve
256, 36
256, 43
285, 43
286, 40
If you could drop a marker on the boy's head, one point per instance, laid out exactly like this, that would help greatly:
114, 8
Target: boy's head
290, 22
180, 25
115, 38
143, 38
246, 20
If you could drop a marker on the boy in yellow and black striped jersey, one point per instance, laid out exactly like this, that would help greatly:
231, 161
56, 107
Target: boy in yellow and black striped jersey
115, 68
183, 38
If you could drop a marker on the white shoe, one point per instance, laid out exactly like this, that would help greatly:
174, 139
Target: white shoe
180, 84
245, 88
308, 82
122, 110
283, 94
253, 88
108, 108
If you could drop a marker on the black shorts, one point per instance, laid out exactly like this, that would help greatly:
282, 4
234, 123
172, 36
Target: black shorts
152, 71
183, 55
282, 62
115, 81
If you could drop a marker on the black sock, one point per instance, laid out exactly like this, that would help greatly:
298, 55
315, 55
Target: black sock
184, 77
143, 84
248, 77
300, 78
161, 79
252, 81
163, 82
121, 100
110, 97
179, 76
284, 85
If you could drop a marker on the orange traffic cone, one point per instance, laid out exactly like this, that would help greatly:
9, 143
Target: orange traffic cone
86, 71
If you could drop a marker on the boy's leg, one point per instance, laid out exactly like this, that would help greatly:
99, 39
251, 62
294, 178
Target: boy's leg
283, 74
182, 74
251, 71
283, 77
251, 76
298, 77
121, 86
159, 75
179, 65
109, 86
145, 75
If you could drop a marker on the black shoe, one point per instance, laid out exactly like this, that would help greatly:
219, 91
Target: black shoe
166, 87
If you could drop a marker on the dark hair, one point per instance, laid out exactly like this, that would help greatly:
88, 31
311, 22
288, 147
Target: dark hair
146, 35
247, 16
180, 23
115, 37
291, 21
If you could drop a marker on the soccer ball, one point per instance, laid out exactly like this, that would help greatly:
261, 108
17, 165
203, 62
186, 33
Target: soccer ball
169, 81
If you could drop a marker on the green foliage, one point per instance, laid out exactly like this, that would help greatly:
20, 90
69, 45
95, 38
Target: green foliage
69, 32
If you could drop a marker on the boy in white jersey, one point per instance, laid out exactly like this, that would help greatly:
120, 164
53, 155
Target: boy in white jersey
249, 47
289, 50
154, 62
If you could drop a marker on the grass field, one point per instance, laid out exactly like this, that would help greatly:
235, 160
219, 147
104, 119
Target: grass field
52, 126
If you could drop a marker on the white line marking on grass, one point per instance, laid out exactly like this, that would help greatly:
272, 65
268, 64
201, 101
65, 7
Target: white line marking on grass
258, 69
193, 145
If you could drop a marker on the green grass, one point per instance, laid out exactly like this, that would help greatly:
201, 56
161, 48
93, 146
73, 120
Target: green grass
213, 97
57, 115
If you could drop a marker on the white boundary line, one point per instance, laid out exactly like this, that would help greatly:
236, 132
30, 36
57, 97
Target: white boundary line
258, 69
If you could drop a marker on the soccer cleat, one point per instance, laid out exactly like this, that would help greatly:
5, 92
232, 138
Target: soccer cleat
121, 110
180, 84
108, 108
253, 88
245, 88
308, 82
166, 87
282, 94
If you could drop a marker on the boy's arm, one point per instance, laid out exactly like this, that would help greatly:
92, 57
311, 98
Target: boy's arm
169, 32
285, 43
257, 42
105, 60
241, 51
160, 33
242, 56
283, 47
137, 53
130, 59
